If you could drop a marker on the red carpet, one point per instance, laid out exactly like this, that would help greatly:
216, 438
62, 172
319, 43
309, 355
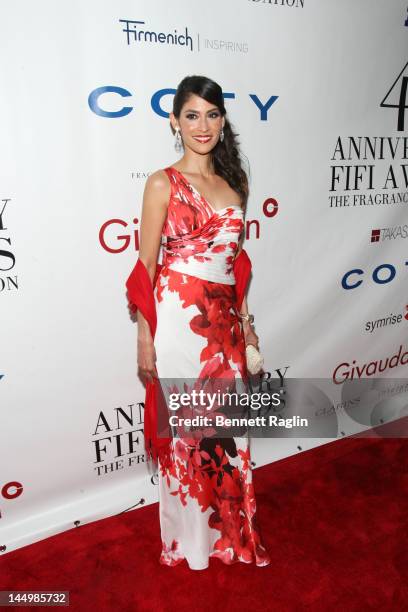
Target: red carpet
334, 520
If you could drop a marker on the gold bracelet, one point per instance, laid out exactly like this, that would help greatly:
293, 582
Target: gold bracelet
247, 317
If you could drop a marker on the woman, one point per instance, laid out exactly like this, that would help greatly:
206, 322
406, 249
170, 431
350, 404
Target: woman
193, 325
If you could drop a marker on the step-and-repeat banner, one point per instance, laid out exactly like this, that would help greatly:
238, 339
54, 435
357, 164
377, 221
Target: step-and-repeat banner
317, 91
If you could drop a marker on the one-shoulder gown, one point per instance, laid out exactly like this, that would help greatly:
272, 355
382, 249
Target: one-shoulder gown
207, 501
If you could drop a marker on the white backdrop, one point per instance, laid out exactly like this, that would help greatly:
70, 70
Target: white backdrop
317, 92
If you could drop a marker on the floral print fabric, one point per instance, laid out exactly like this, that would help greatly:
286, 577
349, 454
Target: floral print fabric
207, 500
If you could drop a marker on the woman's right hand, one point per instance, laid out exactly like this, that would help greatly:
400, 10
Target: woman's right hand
146, 358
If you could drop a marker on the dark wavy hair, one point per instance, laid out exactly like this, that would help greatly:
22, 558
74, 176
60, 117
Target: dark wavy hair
226, 156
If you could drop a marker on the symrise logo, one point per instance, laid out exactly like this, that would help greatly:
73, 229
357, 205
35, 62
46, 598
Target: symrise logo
391, 319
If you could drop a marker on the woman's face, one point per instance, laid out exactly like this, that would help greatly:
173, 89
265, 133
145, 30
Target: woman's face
200, 124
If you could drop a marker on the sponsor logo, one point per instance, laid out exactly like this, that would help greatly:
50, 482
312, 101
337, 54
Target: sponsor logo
116, 235
137, 33
389, 233
352, 371
113, 92
381, 275
391, 319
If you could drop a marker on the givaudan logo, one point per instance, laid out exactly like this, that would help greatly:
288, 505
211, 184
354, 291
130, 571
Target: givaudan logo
346, 371
136, 34
116, 235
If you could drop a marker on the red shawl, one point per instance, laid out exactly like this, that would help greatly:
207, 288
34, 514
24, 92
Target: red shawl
140, 296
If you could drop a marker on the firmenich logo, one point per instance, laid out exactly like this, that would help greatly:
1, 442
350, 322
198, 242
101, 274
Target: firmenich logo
135, 34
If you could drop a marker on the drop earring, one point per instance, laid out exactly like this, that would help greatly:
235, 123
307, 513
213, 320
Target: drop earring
178, 145
222, 134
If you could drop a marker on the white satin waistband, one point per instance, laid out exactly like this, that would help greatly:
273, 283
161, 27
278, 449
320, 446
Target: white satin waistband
211, 273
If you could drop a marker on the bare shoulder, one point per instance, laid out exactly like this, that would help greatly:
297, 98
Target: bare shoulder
158, 180
158, 186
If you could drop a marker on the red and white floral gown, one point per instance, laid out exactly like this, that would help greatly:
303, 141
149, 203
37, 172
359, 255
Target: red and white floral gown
207, 501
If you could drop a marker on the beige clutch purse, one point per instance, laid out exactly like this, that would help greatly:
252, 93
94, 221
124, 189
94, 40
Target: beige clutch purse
254, 359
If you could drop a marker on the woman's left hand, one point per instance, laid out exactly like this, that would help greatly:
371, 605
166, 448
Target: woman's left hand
250, 335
